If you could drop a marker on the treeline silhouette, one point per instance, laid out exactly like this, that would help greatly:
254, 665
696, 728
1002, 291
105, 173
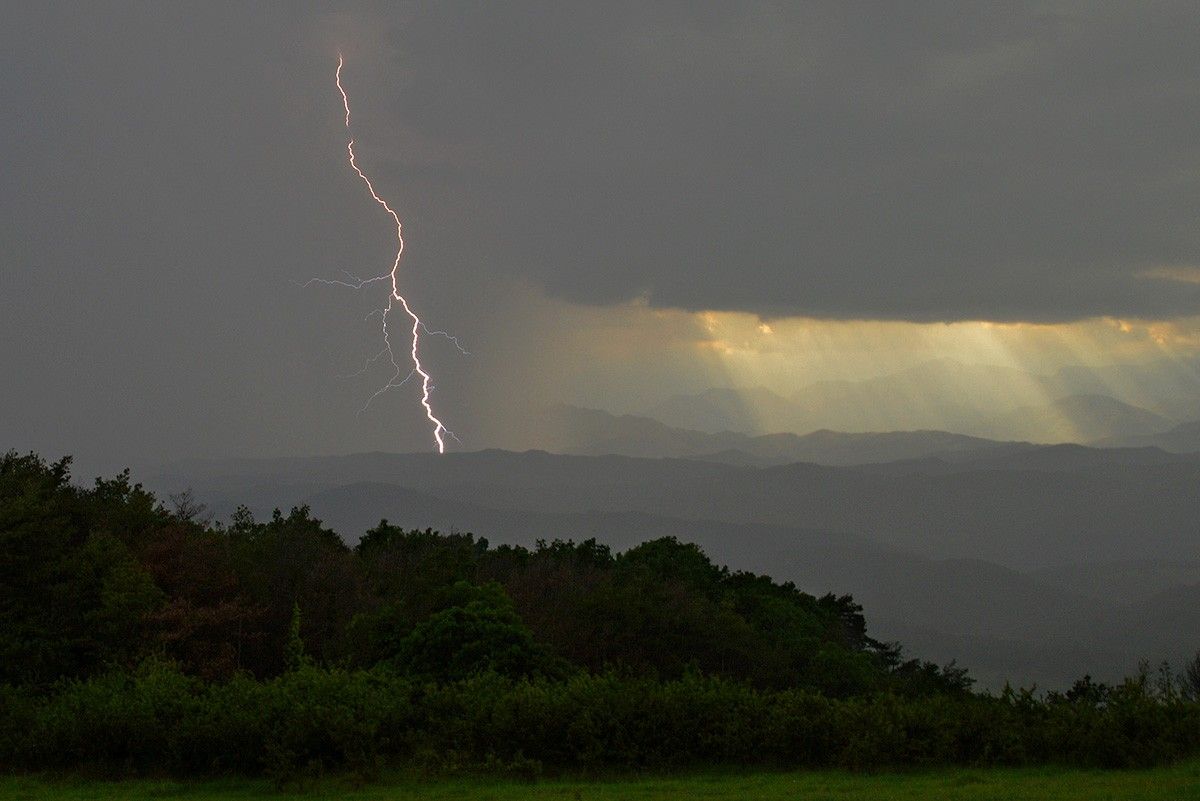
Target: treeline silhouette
141, 635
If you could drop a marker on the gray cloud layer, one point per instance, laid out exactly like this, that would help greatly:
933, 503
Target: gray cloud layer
918, 161
915, 160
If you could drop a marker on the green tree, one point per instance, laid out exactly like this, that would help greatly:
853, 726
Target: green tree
294, 559
480, 633
73, 597
293, 653
208, 618
1189, 679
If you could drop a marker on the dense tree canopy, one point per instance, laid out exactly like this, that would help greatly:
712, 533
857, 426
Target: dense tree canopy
107, 576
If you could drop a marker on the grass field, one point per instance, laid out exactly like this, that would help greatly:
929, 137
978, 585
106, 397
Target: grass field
1178, 783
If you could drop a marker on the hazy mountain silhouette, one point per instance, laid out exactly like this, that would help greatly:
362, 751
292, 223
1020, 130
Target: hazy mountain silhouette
1079, 404
750, 410
1069, 457
1077, 418
1170, 387
594, 432
1130, 583
1183, 438
999, 559
943, 394
1048, 505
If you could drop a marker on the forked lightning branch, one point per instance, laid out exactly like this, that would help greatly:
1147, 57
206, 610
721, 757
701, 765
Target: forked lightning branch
401, 370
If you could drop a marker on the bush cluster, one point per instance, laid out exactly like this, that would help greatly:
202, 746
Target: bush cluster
313, 720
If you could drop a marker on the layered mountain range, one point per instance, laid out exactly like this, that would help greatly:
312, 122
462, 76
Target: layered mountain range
1027, 563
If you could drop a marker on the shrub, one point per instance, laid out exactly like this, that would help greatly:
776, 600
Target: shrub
313, 720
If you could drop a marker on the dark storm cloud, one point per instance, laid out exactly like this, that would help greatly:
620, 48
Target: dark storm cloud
925, 161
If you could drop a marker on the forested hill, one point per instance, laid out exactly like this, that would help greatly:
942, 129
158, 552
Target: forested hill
108, 576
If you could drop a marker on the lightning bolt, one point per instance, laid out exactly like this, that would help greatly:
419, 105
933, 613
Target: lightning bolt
399, 376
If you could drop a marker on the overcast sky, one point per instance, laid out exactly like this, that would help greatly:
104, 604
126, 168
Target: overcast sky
172, 174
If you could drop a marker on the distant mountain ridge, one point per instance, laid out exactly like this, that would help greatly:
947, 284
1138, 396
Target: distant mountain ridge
1078, 418
1039, 507
719, 409
1074, 404
942, 394
595, 433
1183, 438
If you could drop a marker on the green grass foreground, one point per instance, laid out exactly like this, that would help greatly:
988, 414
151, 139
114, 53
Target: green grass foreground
1177, 783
